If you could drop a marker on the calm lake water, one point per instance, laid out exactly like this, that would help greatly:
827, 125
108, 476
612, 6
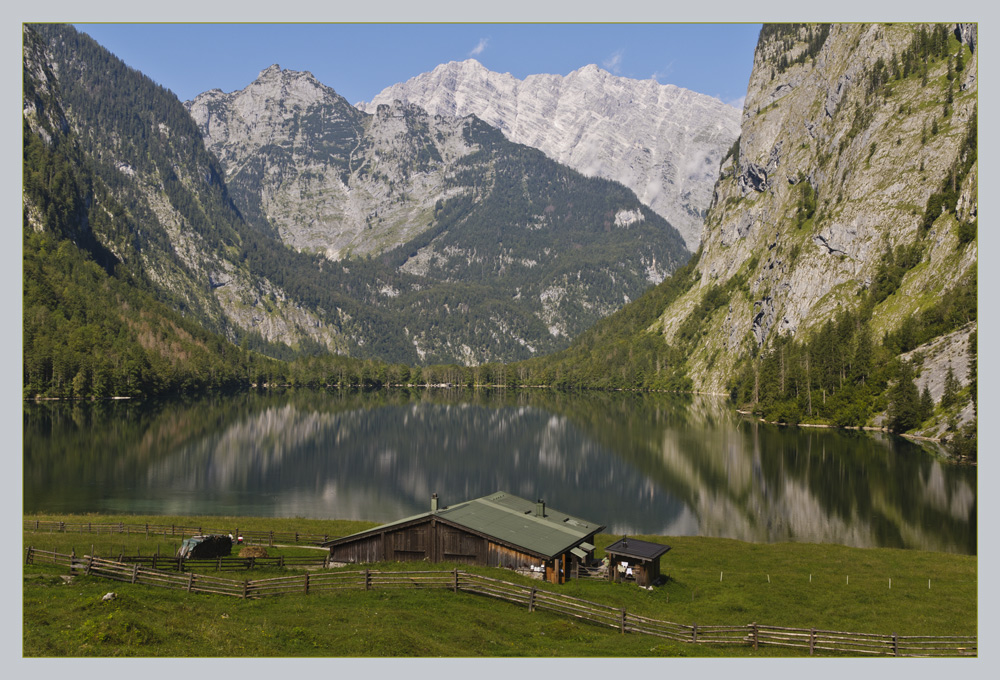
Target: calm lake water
639, 464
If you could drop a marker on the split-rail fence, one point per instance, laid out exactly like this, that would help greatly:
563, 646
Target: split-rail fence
175, 531
755, 635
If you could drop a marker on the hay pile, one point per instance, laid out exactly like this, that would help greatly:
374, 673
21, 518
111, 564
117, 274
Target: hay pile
253, 551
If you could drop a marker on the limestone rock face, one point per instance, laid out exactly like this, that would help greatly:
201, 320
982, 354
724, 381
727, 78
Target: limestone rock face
332, 179
871, 155
662, 141
508, 253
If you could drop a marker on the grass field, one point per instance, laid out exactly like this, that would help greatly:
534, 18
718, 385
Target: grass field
712, 582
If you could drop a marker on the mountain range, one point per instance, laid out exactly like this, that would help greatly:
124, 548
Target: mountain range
834, 277
662, 141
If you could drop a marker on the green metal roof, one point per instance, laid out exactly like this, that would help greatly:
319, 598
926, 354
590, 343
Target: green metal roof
512, 520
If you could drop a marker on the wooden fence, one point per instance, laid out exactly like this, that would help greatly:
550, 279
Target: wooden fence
175, 531
813, 640
197, 564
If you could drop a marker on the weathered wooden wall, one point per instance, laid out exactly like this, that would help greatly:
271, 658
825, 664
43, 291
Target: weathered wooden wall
363, 550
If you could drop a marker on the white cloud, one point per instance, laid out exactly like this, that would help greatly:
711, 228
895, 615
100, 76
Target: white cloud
661, 74
480, 47
614, 62
737, 103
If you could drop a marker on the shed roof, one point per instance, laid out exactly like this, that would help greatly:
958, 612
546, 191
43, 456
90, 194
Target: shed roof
636, 549
510, 519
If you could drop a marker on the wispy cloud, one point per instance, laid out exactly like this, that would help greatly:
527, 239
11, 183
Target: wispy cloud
660, 74
738, 103
480, 47
614, 62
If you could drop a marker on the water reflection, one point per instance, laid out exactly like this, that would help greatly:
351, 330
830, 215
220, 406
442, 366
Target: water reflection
640, 464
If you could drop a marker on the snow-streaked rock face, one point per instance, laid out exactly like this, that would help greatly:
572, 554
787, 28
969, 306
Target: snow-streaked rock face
662, 141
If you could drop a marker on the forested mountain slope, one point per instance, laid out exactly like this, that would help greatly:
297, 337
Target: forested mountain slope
93, 323
838, 275
168, 218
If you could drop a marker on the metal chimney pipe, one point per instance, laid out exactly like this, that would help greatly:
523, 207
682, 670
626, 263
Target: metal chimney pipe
434, 502
540, 508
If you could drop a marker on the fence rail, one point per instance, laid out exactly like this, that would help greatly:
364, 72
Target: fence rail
224, 563
174, 530
811, 639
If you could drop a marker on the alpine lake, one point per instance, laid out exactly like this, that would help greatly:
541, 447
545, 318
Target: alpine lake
637, 463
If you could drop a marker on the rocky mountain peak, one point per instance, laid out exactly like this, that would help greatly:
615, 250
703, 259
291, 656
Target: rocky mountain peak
663, 142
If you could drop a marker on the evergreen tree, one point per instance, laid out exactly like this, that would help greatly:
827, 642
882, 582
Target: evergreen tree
951, 388
926, 404
904, 401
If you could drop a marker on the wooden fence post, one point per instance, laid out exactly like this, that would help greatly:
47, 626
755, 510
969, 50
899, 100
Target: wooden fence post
270, 539
753, 632
812, 641
694, 633
245, 584
367, 579
623, 621
190, 581
135, 571
455, 586
895, 645
531, 599
28, 557
307, 583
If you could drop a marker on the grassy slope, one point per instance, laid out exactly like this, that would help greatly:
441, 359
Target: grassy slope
71, 620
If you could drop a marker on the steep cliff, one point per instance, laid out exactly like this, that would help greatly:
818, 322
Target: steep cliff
848, 133
157, 206
662, 141
837, 282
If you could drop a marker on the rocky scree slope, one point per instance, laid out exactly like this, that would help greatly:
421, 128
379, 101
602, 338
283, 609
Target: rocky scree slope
479, 249
662, 141
846, 147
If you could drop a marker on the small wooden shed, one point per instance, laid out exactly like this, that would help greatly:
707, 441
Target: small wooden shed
499, 530
632, 559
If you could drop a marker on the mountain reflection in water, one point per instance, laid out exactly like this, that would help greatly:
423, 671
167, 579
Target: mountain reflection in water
640, 464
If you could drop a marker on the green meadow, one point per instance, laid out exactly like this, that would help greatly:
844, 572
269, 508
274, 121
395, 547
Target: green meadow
711, 582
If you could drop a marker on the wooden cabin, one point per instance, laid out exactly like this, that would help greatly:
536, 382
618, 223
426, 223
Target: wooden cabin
499, 530
632, 559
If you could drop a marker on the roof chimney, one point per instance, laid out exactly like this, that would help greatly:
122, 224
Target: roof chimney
540, 508
434, 502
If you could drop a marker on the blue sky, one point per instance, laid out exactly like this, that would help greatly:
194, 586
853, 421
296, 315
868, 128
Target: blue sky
358, 60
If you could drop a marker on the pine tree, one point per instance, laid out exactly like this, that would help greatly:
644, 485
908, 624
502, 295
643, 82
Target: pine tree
951, 388
904, 401
926, 404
